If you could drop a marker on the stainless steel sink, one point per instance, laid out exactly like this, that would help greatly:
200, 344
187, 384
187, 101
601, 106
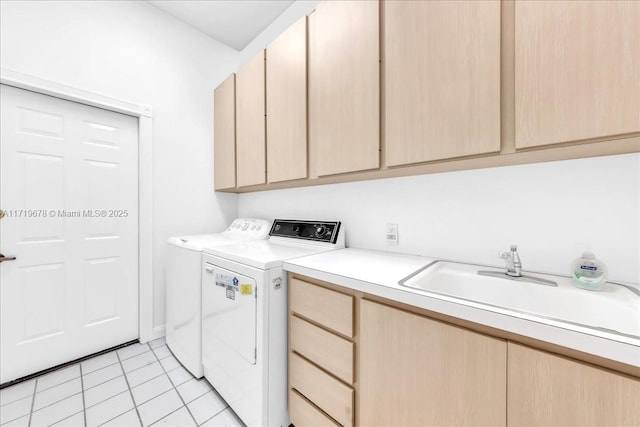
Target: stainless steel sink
615, 309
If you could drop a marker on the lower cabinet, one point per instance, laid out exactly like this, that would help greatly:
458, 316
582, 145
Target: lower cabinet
358, 362
321, 355
549, 390
414, 371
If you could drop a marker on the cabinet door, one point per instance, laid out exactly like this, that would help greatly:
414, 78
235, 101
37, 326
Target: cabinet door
287, 105
344, 106
577, 68
441, 79
548, 390
224, 134
414, 371
250, 127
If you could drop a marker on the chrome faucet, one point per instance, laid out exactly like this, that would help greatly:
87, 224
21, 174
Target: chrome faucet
512, 259
514, 269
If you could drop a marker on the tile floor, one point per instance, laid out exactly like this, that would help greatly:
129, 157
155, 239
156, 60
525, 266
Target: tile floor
141, 384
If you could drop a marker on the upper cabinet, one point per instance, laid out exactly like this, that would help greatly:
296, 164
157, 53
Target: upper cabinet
577, 68
287, 105
365, 89
441, 71
344, 102
224, 133
250, 123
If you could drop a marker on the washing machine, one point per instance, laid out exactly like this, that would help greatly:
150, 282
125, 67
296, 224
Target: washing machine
183, 287
244, 324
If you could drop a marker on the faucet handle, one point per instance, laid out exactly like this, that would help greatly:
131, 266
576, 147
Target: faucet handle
504, 255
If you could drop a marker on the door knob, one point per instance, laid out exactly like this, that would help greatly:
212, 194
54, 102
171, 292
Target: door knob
6, 258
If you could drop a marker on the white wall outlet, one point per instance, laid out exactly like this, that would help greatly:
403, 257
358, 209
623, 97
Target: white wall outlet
392, 234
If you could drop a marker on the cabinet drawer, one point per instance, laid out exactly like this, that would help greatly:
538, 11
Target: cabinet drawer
329, 308
304, 414
326, 392
331, 352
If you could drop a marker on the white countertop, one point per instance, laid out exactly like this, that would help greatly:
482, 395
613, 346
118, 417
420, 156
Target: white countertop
377, 273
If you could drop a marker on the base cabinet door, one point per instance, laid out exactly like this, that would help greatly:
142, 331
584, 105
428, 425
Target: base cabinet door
415, 371
549, 390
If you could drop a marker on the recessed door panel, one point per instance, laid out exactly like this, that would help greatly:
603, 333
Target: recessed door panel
42, 177
41, 123
102, 279
43, 301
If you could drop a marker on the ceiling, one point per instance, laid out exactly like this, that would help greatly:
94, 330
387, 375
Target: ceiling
232, 22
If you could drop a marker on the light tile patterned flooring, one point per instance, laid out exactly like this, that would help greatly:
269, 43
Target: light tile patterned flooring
141, 384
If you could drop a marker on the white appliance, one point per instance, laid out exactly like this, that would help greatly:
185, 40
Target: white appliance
244, 323
184, 287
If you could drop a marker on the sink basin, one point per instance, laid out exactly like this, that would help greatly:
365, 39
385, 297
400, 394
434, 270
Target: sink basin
615, 309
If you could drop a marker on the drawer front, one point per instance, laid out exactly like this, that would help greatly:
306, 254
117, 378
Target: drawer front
329, 308
326, 392
331, 352
304, 414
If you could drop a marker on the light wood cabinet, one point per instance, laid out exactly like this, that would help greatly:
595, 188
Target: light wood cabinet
549, 390
224, 134
414, 371
400, 367
321, 355
250, 123
441, 72
287, 105
344, 102
576, 70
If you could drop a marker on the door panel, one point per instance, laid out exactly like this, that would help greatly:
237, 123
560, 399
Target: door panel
68, 184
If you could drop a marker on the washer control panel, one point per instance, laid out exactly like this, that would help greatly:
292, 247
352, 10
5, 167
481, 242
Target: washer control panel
318, 231
248, 228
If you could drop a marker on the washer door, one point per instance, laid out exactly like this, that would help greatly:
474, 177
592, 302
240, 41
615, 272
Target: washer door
229, 304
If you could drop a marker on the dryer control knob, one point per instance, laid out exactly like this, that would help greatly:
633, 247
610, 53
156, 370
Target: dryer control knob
245, 226
320, 230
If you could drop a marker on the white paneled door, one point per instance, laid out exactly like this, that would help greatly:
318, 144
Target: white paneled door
69, 194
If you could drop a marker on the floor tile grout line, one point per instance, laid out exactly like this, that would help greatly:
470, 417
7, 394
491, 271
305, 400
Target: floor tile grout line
129, 387
124, 373
54, 403
175, 388
170, 413
56, 385
110, 397
100, 368
212, 417
66, 418
84, 406
33, 399
20, 398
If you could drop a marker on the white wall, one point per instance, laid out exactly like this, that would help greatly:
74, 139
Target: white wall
552, 211
137, 53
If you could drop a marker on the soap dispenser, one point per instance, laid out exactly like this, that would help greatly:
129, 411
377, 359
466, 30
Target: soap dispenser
588, 272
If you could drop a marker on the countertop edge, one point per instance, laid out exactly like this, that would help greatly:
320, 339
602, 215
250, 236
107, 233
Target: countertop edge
613, 350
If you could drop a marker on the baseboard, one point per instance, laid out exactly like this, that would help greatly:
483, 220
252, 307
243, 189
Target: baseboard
158, 332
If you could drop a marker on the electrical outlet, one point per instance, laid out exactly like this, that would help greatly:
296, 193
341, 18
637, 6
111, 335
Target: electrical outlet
392, 234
